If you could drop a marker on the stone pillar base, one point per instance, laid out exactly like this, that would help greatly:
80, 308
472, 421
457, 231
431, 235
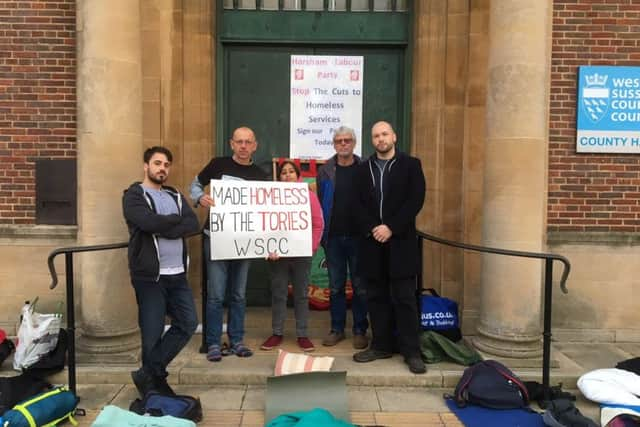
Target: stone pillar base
515, 346
121, 348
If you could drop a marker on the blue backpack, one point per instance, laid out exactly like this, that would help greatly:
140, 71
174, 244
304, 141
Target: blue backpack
492, 385
158, 405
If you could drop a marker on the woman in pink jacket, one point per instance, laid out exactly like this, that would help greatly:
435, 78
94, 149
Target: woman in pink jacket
295, 270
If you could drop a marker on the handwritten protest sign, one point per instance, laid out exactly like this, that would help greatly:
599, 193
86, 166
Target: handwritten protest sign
251, 219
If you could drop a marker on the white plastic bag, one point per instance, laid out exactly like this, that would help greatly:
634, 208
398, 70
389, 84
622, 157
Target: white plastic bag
37, 336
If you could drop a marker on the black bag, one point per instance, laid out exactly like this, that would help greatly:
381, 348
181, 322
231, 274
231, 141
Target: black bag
631, 365
52, 362
536, 393
19, 388
158, 405
492, 385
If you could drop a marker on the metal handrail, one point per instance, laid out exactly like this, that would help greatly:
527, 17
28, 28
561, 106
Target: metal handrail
71, 322
548, 288
73, 250
549, 258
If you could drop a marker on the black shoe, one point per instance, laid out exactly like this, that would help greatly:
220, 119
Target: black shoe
370, 355
416, 365
162, 387
143, 382
562, 412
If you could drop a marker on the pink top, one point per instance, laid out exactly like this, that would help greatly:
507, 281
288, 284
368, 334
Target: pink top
317, 222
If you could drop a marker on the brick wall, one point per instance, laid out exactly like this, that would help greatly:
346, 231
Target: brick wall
589, 192
37, 97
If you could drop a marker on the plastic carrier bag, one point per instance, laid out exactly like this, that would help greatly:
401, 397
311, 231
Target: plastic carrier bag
37, 336
439, 314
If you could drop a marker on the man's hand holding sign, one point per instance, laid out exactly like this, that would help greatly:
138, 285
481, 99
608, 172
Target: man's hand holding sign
251, 219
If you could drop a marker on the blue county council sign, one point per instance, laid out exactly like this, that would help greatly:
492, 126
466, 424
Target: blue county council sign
608, 111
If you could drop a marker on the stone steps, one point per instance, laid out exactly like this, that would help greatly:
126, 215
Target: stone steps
192, 368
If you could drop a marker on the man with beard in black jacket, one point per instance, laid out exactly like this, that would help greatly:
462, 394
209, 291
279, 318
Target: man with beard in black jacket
391, 190
159, 218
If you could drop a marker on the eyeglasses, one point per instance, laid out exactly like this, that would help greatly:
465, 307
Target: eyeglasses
343, 141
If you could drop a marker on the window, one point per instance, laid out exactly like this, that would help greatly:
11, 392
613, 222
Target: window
319, 5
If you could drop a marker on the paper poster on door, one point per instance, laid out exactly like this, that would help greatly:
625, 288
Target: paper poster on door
326, 93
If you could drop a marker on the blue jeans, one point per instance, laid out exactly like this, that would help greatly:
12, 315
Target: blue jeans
342, 258
221, 274
170, 296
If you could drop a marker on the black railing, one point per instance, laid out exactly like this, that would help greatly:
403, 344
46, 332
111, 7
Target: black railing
68, 268
548, 288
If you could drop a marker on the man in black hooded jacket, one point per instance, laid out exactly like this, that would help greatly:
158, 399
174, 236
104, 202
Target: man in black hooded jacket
159, 218
391, 190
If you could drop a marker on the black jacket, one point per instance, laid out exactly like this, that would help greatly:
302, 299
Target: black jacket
145, 226
394, 201
326, 187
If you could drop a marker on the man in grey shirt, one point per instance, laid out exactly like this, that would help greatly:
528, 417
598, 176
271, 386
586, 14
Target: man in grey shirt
159, 218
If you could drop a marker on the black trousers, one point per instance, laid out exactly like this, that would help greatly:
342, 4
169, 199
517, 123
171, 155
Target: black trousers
393, 313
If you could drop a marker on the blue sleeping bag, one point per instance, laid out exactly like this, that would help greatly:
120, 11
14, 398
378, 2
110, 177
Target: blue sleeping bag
45, 409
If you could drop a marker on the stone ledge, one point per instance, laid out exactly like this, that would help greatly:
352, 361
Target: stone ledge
592, 238
628, 335
596, 335
29, 233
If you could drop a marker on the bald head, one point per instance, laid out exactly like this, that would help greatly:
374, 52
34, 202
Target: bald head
381, 123
243, 144
383, 139
243, 131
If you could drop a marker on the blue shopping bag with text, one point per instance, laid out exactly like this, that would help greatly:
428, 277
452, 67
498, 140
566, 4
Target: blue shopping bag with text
437, 313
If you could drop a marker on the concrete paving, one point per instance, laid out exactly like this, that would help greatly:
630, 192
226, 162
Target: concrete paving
380, 393
244, 405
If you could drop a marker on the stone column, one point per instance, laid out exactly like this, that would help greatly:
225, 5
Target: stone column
109, 159
515, 176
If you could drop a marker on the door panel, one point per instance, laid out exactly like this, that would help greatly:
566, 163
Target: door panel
383, 88
256, 93
256, 82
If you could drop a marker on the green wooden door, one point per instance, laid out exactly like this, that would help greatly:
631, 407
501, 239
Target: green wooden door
256, 92
253, 73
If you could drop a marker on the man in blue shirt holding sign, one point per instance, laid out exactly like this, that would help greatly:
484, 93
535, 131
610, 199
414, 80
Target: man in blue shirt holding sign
223, 273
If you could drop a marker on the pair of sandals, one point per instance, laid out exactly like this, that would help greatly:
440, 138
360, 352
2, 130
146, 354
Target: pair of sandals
215, 353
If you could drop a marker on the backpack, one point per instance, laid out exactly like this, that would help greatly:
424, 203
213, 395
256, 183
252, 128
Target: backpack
492, 385
158, 405
45, 409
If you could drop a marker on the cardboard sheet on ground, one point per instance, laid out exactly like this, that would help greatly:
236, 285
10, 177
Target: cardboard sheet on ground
306, 391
